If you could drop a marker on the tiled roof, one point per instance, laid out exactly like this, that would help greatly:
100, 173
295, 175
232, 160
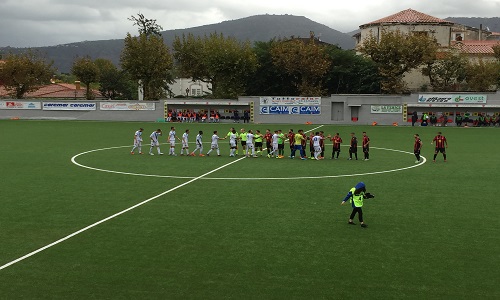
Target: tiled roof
56, 91
407, 16
476, 47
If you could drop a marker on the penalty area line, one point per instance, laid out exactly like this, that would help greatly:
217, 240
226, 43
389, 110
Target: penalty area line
113, 216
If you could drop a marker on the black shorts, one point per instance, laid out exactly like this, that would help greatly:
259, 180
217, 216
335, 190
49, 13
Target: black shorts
292, 146
353, 149
258, 144
243, 143
268, 145
442, 150
281, 146
366, 149
336, 149
416, 152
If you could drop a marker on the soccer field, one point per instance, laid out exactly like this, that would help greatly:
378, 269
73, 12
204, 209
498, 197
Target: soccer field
82, 218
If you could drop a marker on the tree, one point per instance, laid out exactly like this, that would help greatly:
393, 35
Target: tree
306, 62
147, 59
482, 76
147, 27
24, 73
268, 79
350, 73
113, 83
87, 72
496, 51
446, 72
398, 53
224, 63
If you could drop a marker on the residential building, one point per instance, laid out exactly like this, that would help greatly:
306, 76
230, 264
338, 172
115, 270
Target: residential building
474, 42
56, 91
188, 87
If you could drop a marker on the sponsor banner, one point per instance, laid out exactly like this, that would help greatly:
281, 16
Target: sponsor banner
311, 101
205, 103
20, 105
387, 109
127, 106
69, 106
290, 110
452, 98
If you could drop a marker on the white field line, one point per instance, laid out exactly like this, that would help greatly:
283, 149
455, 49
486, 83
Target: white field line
113, 216
118, 213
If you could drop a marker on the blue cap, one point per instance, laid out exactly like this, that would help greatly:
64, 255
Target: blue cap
360, 185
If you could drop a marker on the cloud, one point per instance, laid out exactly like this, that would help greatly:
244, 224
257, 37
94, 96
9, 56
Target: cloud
29, 23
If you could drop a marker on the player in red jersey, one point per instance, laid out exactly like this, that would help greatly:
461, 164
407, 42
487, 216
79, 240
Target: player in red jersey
304, 143
366, 146
268, 137
441, 144
337, 140
311, 144
322, 143
417, 146
291, 139
353, 148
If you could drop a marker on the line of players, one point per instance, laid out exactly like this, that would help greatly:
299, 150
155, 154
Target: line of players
252, 143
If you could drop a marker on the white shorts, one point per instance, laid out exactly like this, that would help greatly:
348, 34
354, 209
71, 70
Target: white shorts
137, 143
155, 143
214, 146
250, 146
317, 148
275, 146
232, 144
172, 143
185, 145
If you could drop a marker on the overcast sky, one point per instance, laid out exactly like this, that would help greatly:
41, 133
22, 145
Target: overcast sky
31, 23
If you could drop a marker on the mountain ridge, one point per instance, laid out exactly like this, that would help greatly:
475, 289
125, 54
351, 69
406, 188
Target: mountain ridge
262, 27
253, 28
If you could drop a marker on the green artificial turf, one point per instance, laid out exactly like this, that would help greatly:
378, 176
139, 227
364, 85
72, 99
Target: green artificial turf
258, 228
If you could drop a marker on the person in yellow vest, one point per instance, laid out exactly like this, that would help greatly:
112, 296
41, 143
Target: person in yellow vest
356, 196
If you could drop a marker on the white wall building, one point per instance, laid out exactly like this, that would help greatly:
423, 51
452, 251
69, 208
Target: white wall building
188, 87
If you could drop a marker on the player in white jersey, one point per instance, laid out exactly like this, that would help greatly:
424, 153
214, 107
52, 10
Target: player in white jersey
250, 146
215, 143
317, 145
185, 142
274, 143
199, 144
137, 141
155, 141
233, 142
171, 139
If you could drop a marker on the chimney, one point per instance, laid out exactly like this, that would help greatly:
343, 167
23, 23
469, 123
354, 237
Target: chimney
77, 85
480, 32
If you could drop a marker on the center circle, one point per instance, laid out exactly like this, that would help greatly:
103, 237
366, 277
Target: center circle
73, 160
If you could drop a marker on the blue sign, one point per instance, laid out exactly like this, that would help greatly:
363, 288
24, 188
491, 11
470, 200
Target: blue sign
290, 110
310, 110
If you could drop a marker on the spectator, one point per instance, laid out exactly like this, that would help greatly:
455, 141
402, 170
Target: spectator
458, 120
246, 116
414, 118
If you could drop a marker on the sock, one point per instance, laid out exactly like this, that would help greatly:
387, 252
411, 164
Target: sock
218, 152
158, 148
